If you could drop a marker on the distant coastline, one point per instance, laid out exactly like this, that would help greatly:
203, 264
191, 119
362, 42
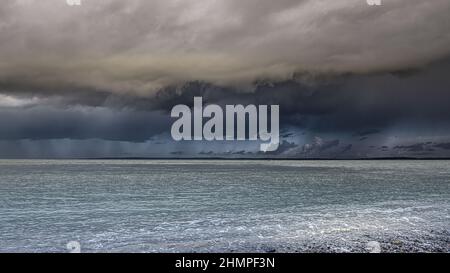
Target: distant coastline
243, 158
232, 158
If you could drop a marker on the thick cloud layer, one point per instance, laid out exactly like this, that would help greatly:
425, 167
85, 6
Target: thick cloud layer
99, 79
39, 122
142, 46
354, 115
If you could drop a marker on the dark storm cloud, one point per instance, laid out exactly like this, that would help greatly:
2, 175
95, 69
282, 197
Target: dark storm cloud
140, 46
347, 148
80, 123
366, 133
322, 104
316, 60
418, 147
113, 70
329, 145
366, 105
286, 135
445, 146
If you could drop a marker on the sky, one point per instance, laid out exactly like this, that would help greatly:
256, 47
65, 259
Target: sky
100, 79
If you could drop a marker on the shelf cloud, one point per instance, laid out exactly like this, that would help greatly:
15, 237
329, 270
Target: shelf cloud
142, 46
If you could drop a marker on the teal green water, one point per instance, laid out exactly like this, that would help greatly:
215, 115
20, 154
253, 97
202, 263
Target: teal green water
226, 206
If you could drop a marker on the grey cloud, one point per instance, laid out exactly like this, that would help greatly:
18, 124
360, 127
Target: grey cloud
367, 132
417, 147
284, 147
347, 148
80, 123
80, 148
329, 145
338, 104
142, 46
286, 135
317, 147
111, 70
366, 105
445, 146
412, 148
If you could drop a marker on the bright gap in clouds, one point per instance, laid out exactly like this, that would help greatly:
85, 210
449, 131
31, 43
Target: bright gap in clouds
10, 101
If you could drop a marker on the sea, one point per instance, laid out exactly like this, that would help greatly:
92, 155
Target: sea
224, 206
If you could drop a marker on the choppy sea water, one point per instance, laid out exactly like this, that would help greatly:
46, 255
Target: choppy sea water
224, 206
